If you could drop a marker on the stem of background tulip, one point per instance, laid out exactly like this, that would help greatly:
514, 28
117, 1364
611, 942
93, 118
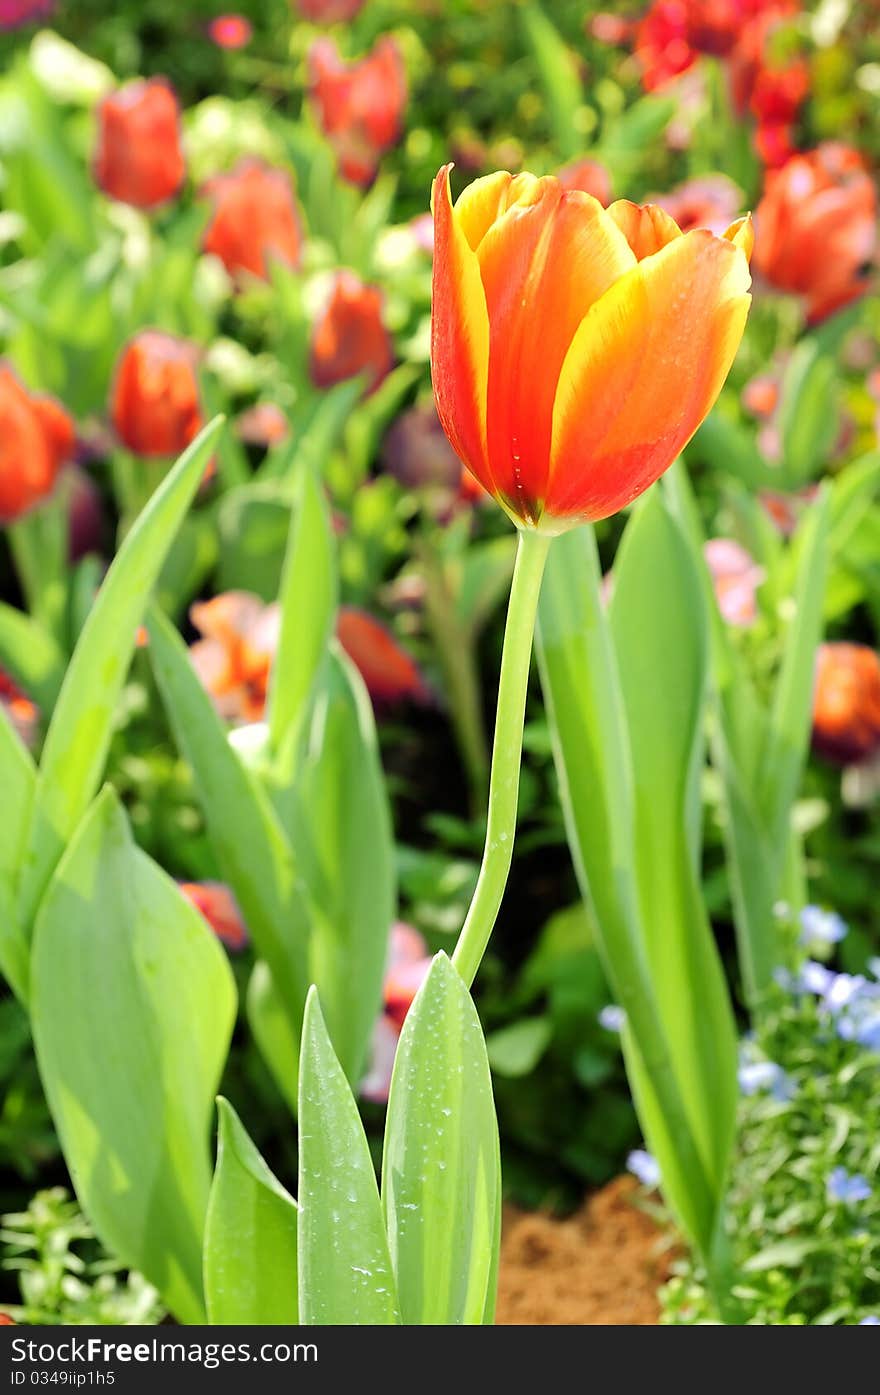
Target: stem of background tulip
39, 544
454, 642
506, 752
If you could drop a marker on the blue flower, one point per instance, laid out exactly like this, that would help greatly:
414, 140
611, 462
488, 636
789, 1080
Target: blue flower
869, 1321
764, 1075
820, 927
848, 1187
612, 1018
815, 978
644, 1166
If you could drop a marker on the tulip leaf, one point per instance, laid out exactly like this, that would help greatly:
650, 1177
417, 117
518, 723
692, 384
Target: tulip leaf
250, 844
250, 1236
345, 1274
660, 631
273, 1031
308, 608
133, 1004
18, 781
588, 723
441, 1171
808, 416
557, 68
30, 654
343, 834
78, 738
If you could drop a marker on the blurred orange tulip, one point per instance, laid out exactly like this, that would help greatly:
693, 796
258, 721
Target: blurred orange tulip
359, 105
588, 175
139, 159
575, 350
36, 437
155, 401
255, 219
387, 670
22, 713
846, 703
816, 227
217, 905
349, 337
234, 657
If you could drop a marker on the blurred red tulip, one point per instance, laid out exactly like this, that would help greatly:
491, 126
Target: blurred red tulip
216, 903
15, 13
387, 670
772, 88
234, 657
22, 713
328, 11
590, 177
155, 400
36, 438
712, 201
359, 105
231, 31
349, 337
846, 703
139, 159
255, 219
816, 228
736, 577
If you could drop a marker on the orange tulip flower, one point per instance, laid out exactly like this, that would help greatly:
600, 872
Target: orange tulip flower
217, 905
139, 159
349, 336
846, 703
575, 350
255, 219
36, 437
360, 105
155, 401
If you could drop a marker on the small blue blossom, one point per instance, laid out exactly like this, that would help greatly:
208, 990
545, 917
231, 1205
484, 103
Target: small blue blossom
612, 1018
820, 927
848, 1187
644, 1166
842, 990
870, 1321
754, 1076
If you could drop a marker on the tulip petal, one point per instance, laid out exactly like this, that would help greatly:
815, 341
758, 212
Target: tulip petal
459, 337
742, 235
643, 370
646, 227
548, 257
477, 206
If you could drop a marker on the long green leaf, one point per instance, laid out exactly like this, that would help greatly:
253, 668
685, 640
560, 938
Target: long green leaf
660, 632
79, 733
441, 1169
345, 842
31, 655
557, 69
252, 851
273, 1031
250, 1236
133, 1004
18, 781
308, 607
345, 1274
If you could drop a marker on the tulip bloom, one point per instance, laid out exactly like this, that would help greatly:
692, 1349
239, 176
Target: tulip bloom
349, 337
328, 11
712, 201
264, 425
255, 219
139, 159
846, 703
388, 671
217, 905
230, 31
575, 350
359, 105
816, 228
36, 438
736, 577
155, 402
15, 13
234, 657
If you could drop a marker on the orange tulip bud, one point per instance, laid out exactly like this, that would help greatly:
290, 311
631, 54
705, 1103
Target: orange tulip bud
575, 349
139, 159
359, 105
155, 404
36, 437
255, 219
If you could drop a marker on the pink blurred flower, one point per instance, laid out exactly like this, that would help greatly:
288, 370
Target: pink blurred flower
264, 424
589, 176
328, 11
14, 13
711, 201
736, 577
231, 31
408, 963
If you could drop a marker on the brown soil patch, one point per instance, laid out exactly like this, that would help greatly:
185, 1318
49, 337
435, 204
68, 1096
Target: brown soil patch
600, 1267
